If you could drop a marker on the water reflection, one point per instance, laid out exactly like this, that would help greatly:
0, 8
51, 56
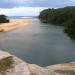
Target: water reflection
39, 43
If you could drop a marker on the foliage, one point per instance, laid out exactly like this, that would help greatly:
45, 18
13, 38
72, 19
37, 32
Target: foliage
3, 19
5, 64
57, 16
61, 16
70, 28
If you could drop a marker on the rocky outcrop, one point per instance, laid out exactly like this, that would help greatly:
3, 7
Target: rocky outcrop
22, 68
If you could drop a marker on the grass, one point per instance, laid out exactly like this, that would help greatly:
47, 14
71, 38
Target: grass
5, 64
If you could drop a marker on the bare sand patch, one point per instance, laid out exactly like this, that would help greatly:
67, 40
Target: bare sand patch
13, 24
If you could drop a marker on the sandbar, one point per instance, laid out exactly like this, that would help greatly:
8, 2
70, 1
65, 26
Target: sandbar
13, 24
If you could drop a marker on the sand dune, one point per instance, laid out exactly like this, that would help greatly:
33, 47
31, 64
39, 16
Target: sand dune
13, 24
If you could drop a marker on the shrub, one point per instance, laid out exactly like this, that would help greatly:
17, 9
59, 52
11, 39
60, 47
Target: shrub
5, 64
70, 28
3, 19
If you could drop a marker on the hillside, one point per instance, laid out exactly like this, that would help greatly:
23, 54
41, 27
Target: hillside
62, 17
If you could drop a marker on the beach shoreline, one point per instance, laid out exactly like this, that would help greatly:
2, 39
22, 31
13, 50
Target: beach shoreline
13, 24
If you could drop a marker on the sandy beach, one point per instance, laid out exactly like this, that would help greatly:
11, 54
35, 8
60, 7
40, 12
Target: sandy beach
13, 24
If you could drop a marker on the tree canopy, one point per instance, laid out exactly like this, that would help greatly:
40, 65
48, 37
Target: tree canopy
3, 19
61, 16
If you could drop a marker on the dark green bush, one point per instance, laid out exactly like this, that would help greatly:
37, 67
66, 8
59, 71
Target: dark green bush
69, 28
3, 19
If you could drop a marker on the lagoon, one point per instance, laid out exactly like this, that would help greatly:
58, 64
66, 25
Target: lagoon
39, 43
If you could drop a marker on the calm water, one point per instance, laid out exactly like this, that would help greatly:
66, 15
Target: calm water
39, 43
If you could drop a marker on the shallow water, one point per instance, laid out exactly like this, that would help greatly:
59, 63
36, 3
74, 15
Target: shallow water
39, 43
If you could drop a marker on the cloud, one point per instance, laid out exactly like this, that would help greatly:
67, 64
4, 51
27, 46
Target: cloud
22, 11
30, 7
35, 3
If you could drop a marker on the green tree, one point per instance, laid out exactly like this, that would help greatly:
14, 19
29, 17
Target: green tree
61, 16
3, 19
69, 28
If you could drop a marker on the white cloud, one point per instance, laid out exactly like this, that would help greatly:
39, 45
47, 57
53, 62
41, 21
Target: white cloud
22, 11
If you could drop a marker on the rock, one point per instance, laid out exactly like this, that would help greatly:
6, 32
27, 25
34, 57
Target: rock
4, 54
22, 68
19, 68
37, 70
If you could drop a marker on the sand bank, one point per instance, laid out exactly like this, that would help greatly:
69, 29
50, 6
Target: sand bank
13, 24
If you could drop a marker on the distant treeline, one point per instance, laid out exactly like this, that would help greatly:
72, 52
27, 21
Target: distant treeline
61, 16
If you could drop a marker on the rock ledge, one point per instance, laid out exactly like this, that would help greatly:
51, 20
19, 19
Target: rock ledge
22, 68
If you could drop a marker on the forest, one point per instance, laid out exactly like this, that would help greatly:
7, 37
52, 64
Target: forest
62, 17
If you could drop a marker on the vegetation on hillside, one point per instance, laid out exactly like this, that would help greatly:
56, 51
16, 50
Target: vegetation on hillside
5, 64
61, 16
3, 19
70, 28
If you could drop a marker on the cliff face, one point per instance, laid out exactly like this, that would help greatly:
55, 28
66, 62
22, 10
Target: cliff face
22, 68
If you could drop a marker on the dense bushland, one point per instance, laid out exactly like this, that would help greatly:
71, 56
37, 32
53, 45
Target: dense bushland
61, 16
3, 19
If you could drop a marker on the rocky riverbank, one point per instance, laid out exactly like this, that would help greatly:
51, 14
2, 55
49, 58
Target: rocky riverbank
23, 68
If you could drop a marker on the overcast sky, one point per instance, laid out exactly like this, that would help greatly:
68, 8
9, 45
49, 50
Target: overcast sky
30, 7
